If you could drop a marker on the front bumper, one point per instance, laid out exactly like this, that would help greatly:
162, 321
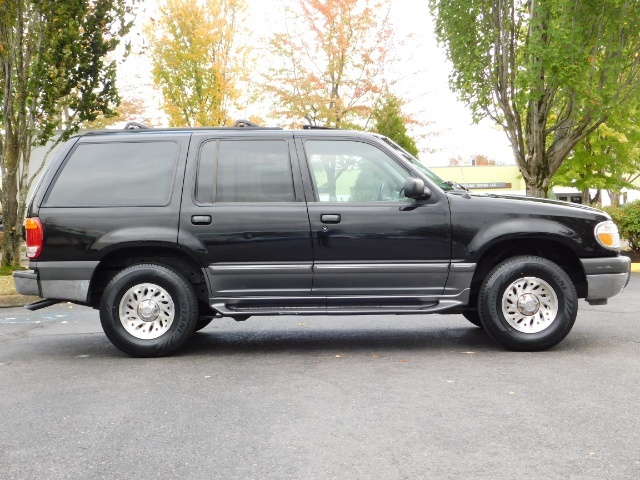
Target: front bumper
606, 277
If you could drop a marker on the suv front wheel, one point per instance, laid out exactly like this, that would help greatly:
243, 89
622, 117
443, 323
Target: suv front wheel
528, 303
148, 310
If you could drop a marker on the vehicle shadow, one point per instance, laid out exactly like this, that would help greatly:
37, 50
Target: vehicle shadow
210, 342
213, 342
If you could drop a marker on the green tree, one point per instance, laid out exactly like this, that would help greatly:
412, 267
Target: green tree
549, 72
608, 159
56, 74
333, 60
627, 218
390, 122
197, 59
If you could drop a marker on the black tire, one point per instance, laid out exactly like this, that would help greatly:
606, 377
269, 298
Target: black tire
170, 303
519, 286
474, 317
203, 322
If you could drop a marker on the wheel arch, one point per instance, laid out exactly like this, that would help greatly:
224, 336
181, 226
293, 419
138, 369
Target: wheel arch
553, 250
171, 257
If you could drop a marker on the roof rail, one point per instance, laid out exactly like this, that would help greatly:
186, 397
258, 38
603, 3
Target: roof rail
245, 123
136, 126
317, 127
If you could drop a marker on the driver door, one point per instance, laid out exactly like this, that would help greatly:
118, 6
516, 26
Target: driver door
368, 238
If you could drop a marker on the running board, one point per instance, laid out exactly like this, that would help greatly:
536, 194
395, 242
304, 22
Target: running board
432, 307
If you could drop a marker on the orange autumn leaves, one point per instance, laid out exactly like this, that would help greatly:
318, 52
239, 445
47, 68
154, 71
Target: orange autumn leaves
332, 58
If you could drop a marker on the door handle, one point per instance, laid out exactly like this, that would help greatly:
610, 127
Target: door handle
201, 219
330, 218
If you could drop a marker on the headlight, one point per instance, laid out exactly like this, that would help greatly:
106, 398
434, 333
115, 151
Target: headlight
607, 235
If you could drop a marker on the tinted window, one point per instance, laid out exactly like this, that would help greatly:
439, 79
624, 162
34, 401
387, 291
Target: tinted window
246, 171
347, 171
114, 174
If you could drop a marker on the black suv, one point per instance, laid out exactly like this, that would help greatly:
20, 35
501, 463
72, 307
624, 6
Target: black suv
164, 230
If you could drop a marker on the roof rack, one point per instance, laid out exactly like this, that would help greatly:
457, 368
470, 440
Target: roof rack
238, 124
246, 123
136, 126
316, 127
141, 127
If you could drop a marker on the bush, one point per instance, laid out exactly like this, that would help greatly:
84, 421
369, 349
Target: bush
627, 218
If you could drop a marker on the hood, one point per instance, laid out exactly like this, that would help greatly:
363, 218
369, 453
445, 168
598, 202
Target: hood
547, 201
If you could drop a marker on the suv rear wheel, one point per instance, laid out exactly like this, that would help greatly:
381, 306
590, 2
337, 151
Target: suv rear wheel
528, 303
148, 310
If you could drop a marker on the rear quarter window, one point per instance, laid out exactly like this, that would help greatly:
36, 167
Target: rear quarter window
116, 174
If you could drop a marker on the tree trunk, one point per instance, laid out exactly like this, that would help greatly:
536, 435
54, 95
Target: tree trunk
535, 171
536, 191
614, 197
13, 235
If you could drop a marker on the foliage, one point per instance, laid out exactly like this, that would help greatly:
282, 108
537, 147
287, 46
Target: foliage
129, 110
56, 74
627, 218
333, 58
608, 159
197, 59
8, 270
480, 160
390, 122
548, 72
476, 160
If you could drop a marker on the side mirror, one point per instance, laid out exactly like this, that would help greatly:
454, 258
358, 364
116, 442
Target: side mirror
414, 188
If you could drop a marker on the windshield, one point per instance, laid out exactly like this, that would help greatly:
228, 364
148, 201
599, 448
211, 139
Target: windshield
443, 184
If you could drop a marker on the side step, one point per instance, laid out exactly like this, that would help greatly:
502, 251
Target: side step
47, 302
233, 310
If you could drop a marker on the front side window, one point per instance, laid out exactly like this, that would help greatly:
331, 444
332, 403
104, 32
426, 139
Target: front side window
116, 174
349, 171
245, 171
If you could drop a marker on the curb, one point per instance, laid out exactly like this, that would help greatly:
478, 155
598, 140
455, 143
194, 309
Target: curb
8, 301
635, 267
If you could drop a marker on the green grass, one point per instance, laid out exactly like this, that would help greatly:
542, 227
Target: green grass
7, 271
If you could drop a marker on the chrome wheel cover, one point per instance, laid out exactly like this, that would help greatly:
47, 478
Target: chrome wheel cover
530, 305
146, 311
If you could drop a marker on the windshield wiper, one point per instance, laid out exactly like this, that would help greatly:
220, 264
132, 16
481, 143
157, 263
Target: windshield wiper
455, 185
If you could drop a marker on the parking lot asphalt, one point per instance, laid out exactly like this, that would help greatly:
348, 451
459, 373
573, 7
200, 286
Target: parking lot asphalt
390, 397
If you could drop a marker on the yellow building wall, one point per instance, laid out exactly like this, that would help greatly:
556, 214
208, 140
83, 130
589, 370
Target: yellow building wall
491, 174
483, 178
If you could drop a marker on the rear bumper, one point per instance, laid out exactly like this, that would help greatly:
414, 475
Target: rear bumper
57, 280
606, 277
26, 282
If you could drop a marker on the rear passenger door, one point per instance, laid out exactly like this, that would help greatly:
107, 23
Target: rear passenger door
244, 215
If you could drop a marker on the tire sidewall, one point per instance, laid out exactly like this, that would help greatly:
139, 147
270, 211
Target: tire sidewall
492, 291
185, 306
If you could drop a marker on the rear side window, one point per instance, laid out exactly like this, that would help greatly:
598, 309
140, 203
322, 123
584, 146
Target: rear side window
116, 174
245, 171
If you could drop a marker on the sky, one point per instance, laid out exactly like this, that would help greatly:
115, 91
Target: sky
421, 72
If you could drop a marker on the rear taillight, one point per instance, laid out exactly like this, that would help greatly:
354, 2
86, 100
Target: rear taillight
33, 227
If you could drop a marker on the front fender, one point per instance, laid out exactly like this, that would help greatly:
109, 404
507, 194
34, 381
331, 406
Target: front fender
514, 229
